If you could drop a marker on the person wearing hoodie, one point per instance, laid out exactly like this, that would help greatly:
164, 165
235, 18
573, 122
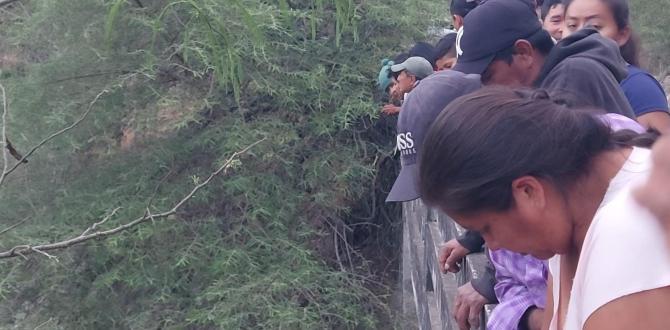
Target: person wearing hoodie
504, 42
611, 19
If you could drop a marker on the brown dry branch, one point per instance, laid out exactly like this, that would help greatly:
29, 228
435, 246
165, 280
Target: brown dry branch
88, 234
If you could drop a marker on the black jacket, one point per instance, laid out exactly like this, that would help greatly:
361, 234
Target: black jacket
586, 68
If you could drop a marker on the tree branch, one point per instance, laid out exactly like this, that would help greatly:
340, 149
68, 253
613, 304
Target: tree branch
4, 134
7, 2
6, 172
23, 250
14, 226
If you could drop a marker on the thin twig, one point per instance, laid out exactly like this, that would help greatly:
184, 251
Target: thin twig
53, 136
95, 225
88, 75
52, 257
158, 186
14, 226
22, 250
337, 252
4, 134
41, 325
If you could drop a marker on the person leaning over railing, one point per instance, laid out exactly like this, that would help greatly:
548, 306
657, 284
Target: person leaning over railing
536, 178
423, 104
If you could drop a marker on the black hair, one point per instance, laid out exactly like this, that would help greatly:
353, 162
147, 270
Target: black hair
462, 7
425, 50
621, 13
540, 40
446, 46
547, 6
402, 57
483, 141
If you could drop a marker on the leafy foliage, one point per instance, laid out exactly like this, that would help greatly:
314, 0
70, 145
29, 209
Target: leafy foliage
289, 239
650, 19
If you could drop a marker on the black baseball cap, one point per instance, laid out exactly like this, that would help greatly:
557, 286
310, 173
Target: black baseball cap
462, 7
419, 111
493, 26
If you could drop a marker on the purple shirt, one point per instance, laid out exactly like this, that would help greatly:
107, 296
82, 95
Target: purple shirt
521, 282
618, 122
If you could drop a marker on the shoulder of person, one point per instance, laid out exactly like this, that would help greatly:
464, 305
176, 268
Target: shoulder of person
576, 73
443, 86
581, 65
625, 252
642, 78
644, 92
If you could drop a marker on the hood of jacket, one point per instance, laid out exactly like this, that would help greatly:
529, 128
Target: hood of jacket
586, 43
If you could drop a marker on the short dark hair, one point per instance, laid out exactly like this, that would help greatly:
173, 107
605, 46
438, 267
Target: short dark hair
402, 57
425, 50
446, 46
462, 7
621, 13
485, 140
547, 6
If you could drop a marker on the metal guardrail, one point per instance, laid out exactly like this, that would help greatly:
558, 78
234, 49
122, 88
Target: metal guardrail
427, 293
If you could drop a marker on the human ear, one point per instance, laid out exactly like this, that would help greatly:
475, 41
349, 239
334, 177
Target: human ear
623, 36
412, 78
523, 53
528, 195
458, 21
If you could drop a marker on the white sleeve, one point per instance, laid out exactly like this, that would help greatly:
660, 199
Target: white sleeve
626, 253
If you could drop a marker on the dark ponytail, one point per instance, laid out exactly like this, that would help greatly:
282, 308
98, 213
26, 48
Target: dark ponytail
485, 140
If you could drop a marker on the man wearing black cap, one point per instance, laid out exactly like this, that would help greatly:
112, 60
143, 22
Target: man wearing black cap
504, 42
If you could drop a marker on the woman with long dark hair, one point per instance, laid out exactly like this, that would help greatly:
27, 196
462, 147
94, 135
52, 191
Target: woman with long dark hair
612, 19
535, 177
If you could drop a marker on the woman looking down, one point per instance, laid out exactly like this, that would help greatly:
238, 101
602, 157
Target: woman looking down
537, 178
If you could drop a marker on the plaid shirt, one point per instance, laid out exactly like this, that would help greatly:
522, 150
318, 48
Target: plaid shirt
521, 282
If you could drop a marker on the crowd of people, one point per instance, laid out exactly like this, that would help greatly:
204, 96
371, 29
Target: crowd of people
531, 125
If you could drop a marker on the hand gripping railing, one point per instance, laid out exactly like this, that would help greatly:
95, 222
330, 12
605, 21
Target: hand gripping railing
428, 294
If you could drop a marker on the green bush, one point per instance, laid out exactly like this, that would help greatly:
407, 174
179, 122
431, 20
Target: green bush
277, 242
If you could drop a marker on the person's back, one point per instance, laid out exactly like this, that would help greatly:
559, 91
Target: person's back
421, 107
